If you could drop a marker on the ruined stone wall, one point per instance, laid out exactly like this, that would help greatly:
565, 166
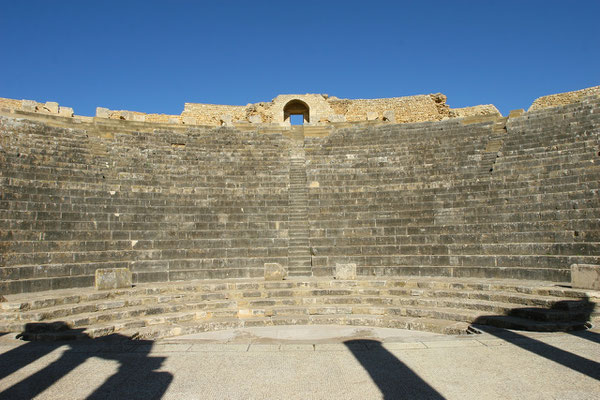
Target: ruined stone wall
405, 109
562, 99
139, 116
323, 110
11, 104
49, 107
213, 114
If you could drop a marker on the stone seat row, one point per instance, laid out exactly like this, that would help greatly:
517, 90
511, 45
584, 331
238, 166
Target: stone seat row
391, 176
261, 174
417, 134
548, 160
328, 220
499, 238
524, 200
502, 186
521, 267
526, 144
367, 204
352, 229
232, 208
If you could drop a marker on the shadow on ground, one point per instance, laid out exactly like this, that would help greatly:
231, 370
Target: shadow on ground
137, 376
393, 378
570, 316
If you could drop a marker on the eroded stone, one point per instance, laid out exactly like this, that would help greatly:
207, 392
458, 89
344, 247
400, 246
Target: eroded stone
345, 271
274, 272
112, 278
102, 112
52, 107
585, 276
65, 111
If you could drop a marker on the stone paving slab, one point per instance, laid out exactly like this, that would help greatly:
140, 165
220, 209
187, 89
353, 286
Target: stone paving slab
394, 364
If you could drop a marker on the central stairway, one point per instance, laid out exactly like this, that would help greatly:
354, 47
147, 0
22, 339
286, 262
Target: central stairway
299, 257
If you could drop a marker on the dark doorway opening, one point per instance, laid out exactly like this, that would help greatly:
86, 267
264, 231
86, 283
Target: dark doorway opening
296, 112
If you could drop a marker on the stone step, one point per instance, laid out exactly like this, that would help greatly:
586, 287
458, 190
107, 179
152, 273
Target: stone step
182, 323
249, 308
503, 290
168, 330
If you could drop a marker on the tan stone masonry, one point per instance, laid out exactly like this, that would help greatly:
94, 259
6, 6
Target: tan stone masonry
322, 110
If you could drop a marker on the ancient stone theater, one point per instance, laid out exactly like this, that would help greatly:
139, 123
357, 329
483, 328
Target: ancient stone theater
398, 212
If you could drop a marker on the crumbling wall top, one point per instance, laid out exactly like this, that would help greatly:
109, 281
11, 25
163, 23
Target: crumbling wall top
562, 99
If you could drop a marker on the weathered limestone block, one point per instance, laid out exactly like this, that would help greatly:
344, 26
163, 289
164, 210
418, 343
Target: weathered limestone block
345, 271
255, 119
585, 276
274, 272
113, 278
174, 120
139, 117
337, 118
226, 120
52, 107
371, 116
65, 111
29, 105
102, 112
189, 120
389, 116
516, 113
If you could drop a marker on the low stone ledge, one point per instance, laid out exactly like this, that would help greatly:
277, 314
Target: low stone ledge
345, 271
112, 278
274, 272
585, 276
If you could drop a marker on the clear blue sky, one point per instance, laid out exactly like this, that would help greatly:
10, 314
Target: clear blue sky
153, 56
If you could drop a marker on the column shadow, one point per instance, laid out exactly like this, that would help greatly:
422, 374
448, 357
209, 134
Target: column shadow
137, 376
588, 335
552, 353
394, 379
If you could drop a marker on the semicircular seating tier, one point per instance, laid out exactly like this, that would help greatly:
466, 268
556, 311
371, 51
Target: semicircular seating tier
449, 223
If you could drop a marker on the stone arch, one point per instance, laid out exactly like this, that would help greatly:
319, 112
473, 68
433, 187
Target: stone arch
295, 107
316, 104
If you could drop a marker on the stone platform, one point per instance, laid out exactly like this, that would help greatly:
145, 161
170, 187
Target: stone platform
299, 362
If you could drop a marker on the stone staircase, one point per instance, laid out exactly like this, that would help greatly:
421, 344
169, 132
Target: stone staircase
299, 256
443, 305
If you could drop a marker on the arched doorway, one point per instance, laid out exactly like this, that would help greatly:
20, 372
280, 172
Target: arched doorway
296, 108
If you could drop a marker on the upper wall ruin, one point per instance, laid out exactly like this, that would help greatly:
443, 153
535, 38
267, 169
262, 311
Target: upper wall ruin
316, 109
562, 99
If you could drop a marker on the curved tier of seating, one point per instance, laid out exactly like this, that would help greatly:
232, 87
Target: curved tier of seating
516, 198
443, 305
167, 204
450, 223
